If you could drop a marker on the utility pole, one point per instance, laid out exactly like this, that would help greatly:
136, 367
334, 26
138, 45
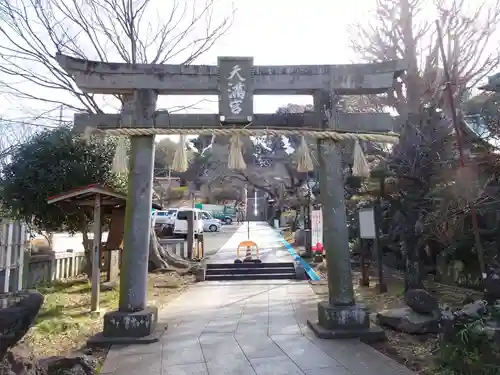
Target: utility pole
60, 115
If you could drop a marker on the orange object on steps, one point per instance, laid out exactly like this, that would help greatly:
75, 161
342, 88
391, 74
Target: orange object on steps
248, 246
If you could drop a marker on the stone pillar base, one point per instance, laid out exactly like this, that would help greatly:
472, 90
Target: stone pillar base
345, 322
318, 258
200, 274
121, 327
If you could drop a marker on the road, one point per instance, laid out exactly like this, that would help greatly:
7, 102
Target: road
62, 242
213, 241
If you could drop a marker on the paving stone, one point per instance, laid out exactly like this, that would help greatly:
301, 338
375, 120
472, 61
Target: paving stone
304, 353
258, 319
224, 325
133, 365
281, 312
246, 328
230, 365
217, 346
283, 316
121, 351
182, 351
251, 328
358, 359
284, 327
258, 346
285, 330
337, 370
190, 369
225, 312
184, 330
281, 365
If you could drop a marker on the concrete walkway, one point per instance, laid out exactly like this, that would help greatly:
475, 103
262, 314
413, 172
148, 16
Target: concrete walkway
267, 239
246, 328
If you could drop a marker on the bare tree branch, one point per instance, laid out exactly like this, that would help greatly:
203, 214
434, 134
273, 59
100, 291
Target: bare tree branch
134, 31
12, 134
399, 30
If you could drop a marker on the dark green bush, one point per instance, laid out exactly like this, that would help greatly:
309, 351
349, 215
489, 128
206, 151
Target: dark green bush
469, 352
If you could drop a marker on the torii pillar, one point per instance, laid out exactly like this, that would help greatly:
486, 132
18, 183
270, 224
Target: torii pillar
137, 108
135, 321
340, 316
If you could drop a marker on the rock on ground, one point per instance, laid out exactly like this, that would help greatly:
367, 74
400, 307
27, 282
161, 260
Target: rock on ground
452, 323
20, 360
409, 321
17, 318
421, 301
299, 238
492, 284
81, 365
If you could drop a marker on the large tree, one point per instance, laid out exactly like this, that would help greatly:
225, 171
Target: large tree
482, 114
56, 161
164, 156
132, 31
12, 134
52, 162
405, 29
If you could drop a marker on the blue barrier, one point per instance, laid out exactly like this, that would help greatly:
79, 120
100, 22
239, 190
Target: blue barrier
310, 272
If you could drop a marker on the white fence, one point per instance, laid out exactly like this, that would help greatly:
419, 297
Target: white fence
46, 268
19, 270
13, 240
177, 246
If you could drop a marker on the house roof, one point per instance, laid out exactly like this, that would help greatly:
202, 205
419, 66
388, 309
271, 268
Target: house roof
84, 196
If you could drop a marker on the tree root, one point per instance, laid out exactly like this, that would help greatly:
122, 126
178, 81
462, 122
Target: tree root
162, 260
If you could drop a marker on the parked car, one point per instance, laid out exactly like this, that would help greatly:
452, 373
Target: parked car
159, 217
226, 219
210, 224
171, 214
164, 217
181, 226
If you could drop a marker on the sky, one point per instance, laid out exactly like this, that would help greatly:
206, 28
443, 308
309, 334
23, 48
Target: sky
284, 32
274, 32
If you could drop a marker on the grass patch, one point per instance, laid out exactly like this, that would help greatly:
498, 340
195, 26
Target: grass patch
65, 322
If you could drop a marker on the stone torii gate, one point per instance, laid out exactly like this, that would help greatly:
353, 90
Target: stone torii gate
235, 80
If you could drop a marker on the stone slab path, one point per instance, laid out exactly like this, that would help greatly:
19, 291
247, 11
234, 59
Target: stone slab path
246, 328
267, 239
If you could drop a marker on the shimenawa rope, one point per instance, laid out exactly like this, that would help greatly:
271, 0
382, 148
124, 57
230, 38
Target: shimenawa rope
237, 133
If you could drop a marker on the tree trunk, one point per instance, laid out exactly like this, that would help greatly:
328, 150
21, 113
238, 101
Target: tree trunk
49, 236
413, 274
87, 247
295, 223
277, 213
161, 258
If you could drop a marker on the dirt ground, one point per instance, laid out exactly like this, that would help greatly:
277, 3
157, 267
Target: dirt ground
414, 351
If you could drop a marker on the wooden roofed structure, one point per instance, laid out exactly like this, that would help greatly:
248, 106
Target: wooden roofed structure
100, 201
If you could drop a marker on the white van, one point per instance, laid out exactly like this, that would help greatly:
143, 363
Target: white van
181, 227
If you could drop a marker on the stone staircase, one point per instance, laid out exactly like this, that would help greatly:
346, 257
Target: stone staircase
250, 271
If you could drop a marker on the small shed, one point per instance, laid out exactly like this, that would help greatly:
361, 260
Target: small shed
111, 203
99, 201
